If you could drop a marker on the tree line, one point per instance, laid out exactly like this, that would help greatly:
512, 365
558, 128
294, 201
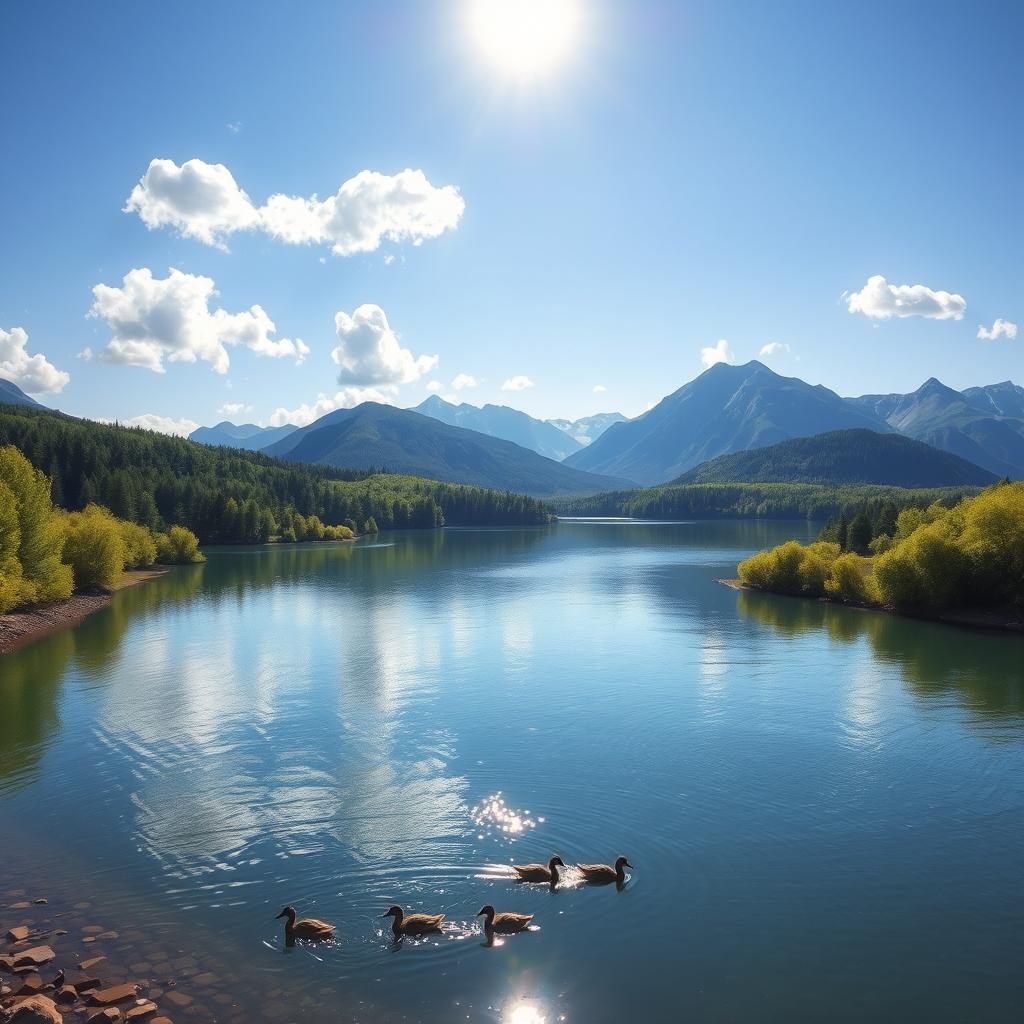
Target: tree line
229, 496
970, 554
46, 553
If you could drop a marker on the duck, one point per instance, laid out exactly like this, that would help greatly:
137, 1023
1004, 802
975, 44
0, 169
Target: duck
413, 924
602, 874
539, 872
308, 928
506, 923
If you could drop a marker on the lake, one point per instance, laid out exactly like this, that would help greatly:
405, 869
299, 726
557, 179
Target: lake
824, 806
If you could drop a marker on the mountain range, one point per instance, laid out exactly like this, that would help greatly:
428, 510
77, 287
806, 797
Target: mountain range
249, 436
726, 409
589, 428
837, 457
375, 436
11, 394
500, 421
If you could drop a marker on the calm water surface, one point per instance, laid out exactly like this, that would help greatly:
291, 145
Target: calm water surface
825, 807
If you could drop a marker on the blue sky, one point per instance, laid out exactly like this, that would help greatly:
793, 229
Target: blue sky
686, 173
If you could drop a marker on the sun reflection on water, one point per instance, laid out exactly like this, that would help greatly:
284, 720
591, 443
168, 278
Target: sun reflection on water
492, 815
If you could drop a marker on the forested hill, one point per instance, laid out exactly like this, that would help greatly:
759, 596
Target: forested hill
227, 495
842, 457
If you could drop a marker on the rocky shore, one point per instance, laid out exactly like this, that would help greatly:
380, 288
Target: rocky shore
71, 966
19, 628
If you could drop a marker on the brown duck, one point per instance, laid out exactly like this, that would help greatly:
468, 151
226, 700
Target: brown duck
539, 872
602, 874
308, 928
505, 923
413, 924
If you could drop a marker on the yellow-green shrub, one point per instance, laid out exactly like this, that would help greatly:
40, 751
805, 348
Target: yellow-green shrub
178, 546
139, 545
94, 547
847, 581
992, 540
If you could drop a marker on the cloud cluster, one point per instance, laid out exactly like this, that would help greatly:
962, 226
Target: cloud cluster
599, 389
463, 381
720, 352
518, 383
203, 201
773, 347
234, 408
154, 421
33, 374
156, 318
369, 354
1000, 329
346, 398
881, 301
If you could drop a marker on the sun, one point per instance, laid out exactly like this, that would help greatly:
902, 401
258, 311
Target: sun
524, 38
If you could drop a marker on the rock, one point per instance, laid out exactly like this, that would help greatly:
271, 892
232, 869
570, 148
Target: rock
88, 965
141, 1010
41, 901
110, 996
81, 980
108, 1013
34, 957
206, 978
31, 986
18, 934
161, 1020
36, 1010
20, 905
67, 995
93, 929
178, 998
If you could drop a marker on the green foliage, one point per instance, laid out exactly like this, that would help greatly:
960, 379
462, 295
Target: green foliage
40, 537
971, 554
139, 545
762, 501
230, 496
94, 547
178, 546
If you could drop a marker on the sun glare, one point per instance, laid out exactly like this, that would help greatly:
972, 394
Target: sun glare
524, 38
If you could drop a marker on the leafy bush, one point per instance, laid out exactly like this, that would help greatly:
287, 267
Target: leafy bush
847, 581
139, 545
94, 547
178, 546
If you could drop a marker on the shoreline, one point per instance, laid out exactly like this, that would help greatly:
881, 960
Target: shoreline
23, 627
965, 618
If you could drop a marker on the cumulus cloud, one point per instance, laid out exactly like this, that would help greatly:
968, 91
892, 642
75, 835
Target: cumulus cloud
203, 201
599, 389
717, 353
161, 424
33, 374
463, 381
517, 383
773, 347
882, 301
346, 398
156, 318
234, 408
369, 353
435, 387
197, 199
1000, 329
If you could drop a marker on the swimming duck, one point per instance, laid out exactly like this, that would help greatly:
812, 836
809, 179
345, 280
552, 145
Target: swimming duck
602, 874
538, 872
414, 924
505, 923
307, 928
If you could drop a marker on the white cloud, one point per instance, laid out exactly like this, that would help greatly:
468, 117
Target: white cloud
517, 383
33, 374
435, 387
369, 353
599, 389
881, 301
1001, 328
346, 398
161, 424
234, 408
718, 353
200, 200
153, 318
203, 201
464, 380
772, 347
